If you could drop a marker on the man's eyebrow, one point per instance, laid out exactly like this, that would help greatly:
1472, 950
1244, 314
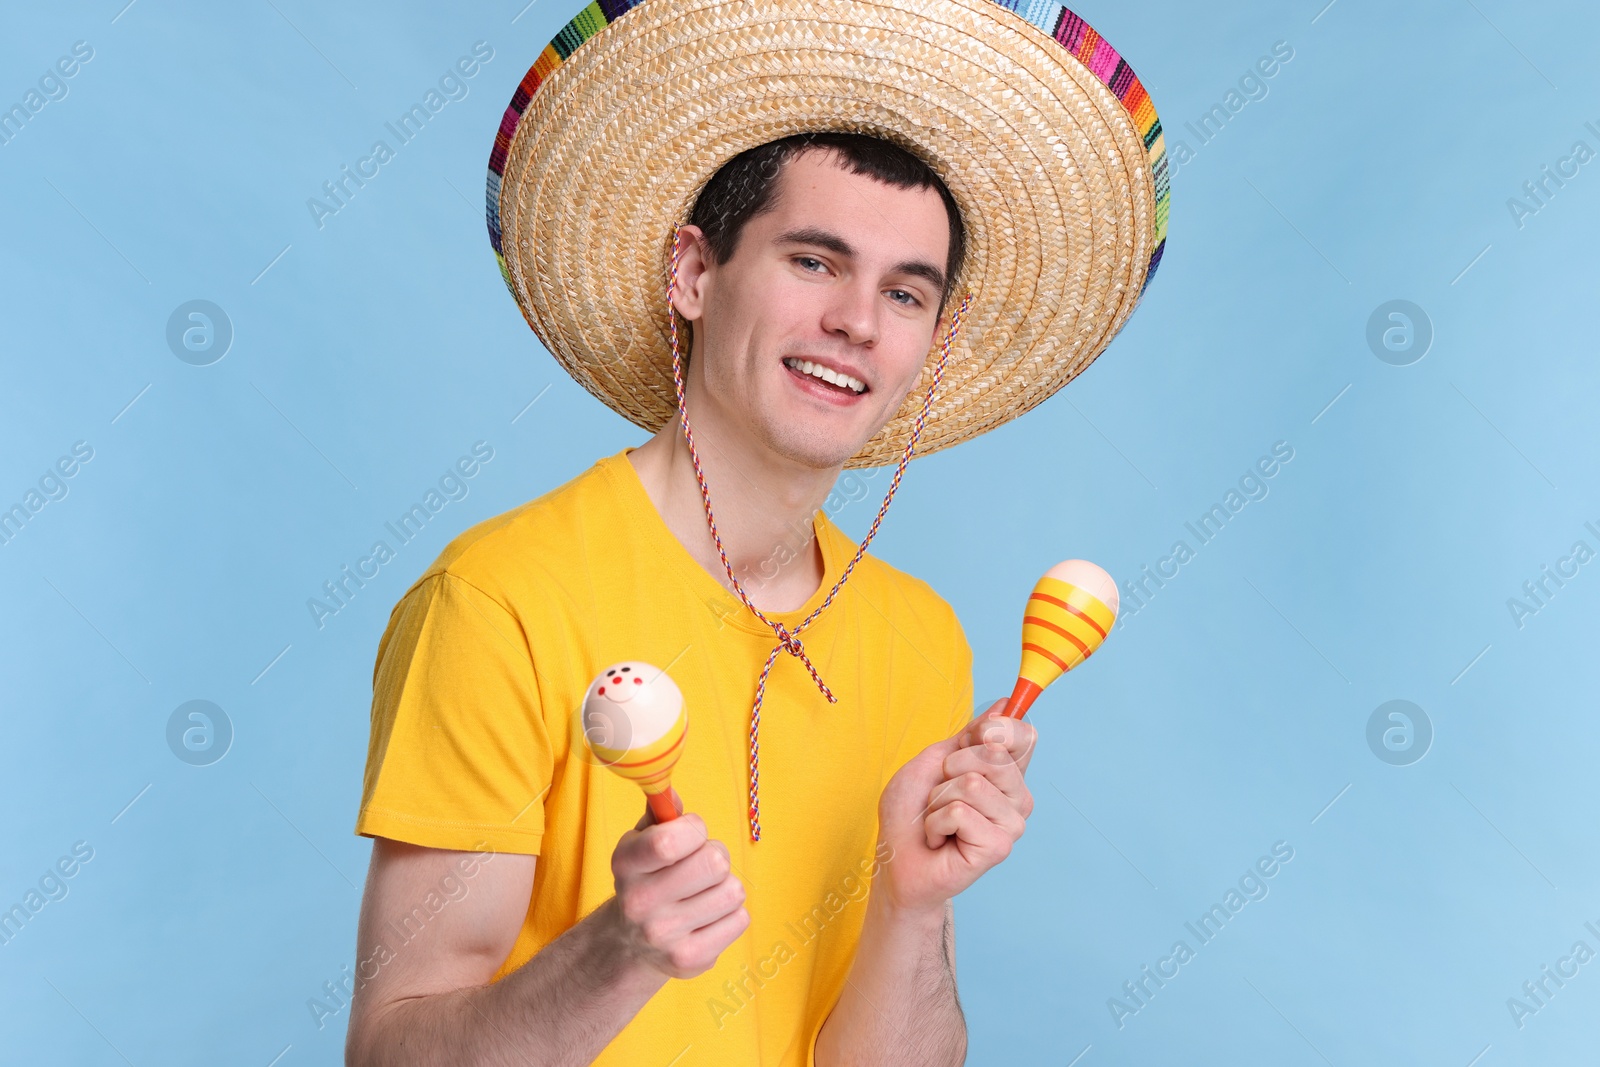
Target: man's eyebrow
816, 235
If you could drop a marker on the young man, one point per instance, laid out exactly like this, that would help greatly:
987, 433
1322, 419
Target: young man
518, 909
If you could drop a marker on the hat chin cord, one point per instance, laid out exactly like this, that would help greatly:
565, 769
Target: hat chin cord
789, 640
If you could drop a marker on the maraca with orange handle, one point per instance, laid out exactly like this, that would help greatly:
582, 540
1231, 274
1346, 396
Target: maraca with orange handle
635, 723
1069, 613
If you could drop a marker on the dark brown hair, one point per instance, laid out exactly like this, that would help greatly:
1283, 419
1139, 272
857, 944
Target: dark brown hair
746, 186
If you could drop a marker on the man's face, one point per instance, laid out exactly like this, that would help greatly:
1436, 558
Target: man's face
838, 275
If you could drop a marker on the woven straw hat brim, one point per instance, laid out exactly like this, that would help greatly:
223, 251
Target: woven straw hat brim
1044, 137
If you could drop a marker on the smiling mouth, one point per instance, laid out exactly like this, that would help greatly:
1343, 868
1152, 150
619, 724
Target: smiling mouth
842, 382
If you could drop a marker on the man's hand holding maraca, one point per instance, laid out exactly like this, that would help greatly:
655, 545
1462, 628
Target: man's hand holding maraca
678, 903
946, 817
955, 810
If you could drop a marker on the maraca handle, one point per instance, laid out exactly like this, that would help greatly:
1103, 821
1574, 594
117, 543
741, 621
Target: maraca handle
1022, 698
661, 806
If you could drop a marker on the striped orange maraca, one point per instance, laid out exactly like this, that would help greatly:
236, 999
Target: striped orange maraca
1069, 613
634, 722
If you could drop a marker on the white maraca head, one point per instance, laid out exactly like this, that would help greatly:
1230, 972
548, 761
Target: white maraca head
630, 705
1088, 577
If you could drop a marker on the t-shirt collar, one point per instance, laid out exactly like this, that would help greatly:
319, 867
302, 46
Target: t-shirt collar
676, 558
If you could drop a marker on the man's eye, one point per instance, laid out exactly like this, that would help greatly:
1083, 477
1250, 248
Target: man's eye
807, 259
912, 300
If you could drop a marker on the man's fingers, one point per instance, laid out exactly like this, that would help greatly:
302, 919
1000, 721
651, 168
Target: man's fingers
994, 762
649, 847
723, 931
697, 951
965, 822
714, 902
1017, 735
678, 915
689, 935
983, 712
979, 793
708, 866
685, 880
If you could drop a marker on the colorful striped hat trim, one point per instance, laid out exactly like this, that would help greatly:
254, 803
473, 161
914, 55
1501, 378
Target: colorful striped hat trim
1075, 35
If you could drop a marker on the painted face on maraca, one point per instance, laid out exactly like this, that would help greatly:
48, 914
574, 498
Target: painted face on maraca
630, 705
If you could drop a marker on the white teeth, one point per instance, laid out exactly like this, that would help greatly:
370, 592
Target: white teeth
816, 370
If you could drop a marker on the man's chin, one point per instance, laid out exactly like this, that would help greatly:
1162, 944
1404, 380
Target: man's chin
817, 451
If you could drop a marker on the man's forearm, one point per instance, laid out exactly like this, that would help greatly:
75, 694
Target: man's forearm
899, 1004
560, 1009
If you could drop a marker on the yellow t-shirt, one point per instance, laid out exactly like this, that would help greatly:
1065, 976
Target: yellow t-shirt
475, 741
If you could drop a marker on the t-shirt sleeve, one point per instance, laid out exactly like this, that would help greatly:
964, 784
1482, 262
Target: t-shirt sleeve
459, 754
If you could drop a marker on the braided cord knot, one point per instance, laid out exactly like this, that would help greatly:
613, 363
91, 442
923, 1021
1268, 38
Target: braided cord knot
789, 642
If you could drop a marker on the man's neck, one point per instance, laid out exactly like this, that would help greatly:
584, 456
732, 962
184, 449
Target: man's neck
764, 509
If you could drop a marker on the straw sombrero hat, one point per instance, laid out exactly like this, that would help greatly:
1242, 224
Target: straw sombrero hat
1039, 129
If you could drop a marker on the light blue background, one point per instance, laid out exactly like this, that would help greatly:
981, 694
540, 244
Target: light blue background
375, 350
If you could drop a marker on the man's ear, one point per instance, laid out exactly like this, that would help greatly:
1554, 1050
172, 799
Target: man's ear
689, 295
